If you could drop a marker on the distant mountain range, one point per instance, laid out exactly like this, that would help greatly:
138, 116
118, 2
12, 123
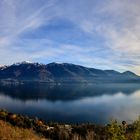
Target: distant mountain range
62, 72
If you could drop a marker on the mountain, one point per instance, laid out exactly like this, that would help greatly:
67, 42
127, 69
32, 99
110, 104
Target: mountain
62, 72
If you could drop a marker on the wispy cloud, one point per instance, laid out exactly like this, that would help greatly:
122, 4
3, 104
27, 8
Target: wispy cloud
15, 24
101, 34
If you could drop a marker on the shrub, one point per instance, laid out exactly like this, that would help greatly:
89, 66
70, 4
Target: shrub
115, 131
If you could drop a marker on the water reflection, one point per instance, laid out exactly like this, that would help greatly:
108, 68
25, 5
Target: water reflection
72, 105
65, 92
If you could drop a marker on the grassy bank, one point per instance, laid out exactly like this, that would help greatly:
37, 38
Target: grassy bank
10, 132
22, 126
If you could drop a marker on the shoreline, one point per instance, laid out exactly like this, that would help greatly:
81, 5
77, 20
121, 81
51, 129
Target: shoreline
71, 131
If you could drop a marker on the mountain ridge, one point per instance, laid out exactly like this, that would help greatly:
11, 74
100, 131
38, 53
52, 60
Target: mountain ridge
63, 72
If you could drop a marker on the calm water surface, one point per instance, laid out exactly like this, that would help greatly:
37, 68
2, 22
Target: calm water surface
69, 103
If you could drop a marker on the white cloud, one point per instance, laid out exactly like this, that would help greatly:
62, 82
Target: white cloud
117, 22
13, 24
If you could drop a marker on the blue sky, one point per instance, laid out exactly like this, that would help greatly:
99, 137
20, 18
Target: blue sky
102, 34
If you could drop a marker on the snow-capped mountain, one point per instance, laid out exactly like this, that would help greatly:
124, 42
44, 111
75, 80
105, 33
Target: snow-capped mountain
63, 72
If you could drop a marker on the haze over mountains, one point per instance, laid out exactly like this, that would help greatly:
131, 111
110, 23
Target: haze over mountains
63, 72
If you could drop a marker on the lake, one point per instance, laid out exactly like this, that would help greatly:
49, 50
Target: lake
73, 103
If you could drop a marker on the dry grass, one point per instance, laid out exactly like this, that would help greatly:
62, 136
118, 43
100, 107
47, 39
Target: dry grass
9, 132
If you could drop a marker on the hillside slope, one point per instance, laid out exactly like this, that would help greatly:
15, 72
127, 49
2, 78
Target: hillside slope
55, 72
9, 132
